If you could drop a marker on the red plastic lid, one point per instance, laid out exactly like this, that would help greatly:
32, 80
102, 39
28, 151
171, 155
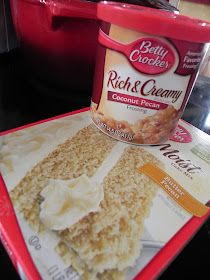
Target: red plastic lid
154, 21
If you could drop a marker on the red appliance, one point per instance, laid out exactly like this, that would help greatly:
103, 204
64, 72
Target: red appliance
58, 39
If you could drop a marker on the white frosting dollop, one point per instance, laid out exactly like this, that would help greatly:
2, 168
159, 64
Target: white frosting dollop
68, 201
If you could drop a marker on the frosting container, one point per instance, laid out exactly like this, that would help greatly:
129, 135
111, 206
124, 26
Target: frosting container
147, 64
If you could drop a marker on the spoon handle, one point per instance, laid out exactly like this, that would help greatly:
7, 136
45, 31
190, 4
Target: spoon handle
106, 41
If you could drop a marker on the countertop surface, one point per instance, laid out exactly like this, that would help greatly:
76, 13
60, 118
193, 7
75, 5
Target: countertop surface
23, 100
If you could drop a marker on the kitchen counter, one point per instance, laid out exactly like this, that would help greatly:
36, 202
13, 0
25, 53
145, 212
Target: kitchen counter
24, 99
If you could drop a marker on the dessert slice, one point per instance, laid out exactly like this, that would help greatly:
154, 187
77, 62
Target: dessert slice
107, 242
81, 154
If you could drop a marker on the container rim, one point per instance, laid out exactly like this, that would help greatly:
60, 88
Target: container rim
155, 21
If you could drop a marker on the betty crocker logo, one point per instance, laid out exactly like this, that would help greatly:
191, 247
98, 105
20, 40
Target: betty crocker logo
181, 135
147, 55
151, 56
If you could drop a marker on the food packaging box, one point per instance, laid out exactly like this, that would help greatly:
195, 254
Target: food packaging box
77, 204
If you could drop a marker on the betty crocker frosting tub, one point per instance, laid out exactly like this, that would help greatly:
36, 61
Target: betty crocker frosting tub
147, 63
